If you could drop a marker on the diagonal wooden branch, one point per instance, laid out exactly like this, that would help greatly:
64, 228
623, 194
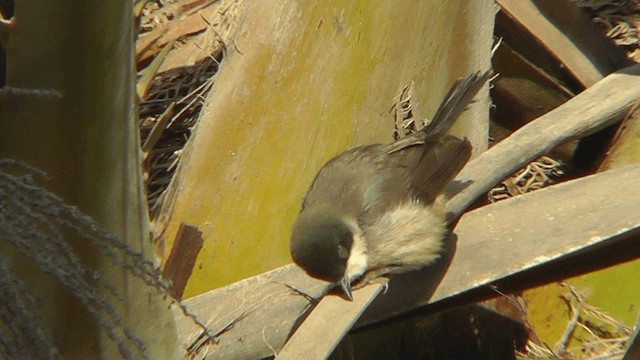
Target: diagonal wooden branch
533, 229
313, 346
594, 109
575, 58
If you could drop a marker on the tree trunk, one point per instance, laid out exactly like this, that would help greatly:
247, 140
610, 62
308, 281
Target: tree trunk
68, 108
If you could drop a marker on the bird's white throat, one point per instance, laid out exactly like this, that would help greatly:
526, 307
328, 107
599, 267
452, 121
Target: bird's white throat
358, 258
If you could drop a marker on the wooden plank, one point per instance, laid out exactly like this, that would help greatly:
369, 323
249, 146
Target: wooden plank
251, 318
182, 258
260, 333
305, 343
593, 109
539, 29
558, 43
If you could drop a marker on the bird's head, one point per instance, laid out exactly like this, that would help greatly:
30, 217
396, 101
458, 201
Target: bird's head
329, 246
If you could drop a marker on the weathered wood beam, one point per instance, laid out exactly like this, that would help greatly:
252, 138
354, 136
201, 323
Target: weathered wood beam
305, 342
251, 318
594, 109
182, 258
565, 39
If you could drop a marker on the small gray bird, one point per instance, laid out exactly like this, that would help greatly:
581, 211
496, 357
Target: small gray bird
377, 208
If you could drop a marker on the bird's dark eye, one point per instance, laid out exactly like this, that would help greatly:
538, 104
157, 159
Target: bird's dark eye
343, 253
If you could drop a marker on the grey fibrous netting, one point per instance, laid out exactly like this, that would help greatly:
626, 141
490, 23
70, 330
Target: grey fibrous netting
36, 223
21, 333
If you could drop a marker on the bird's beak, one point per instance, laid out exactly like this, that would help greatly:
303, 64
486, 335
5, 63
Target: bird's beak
345, 284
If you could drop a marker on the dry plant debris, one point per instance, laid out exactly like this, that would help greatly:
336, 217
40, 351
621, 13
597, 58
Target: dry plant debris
179, 92
404, 113
597, 335
185, 89
620, 19
536, 175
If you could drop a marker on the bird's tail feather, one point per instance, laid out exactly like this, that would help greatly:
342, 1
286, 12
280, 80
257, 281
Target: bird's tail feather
460, 95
